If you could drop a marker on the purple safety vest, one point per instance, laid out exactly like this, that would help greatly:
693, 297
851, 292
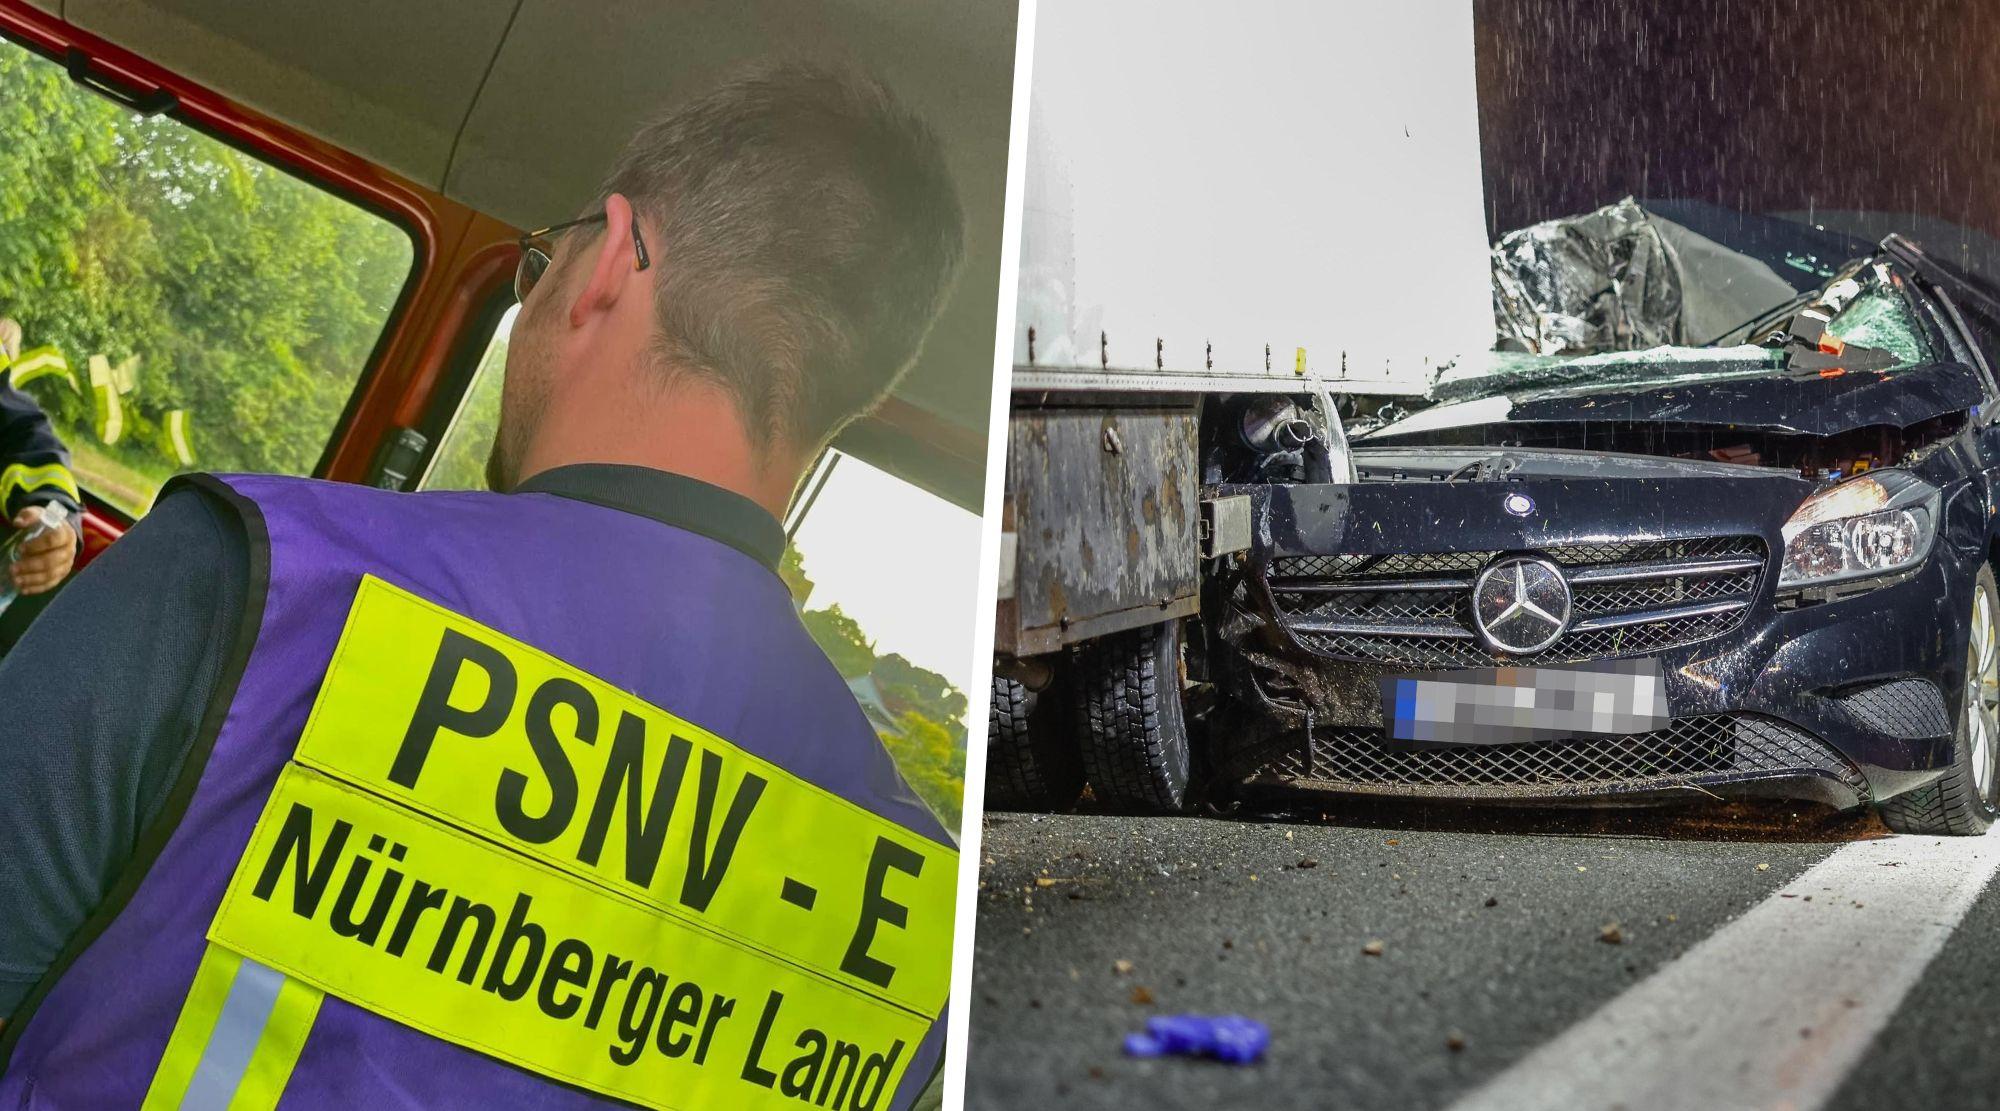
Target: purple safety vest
553, 937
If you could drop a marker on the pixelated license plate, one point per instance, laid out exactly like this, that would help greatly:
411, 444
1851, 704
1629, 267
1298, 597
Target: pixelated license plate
1511, 705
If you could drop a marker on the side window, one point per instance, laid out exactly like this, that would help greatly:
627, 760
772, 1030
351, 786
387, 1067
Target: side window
185, 306
885, 575
460, 460
893, 625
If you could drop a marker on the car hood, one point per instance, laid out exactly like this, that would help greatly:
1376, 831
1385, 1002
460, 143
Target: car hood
1722, 392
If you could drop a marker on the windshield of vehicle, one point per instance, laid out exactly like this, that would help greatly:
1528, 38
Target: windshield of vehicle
1644, 294
1876, 319
185, 306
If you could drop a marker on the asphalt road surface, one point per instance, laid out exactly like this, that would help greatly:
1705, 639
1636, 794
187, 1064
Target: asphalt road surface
1756, 957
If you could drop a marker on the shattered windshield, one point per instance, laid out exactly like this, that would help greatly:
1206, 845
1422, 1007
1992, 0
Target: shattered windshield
1625, 296
1876, 320
1880, 319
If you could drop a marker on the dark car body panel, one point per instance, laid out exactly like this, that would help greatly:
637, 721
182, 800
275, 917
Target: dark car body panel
1775, 401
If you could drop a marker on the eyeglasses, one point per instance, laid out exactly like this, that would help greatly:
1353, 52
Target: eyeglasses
538, 247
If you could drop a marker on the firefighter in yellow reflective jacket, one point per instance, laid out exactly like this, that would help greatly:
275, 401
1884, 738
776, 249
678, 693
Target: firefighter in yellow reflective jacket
34, 472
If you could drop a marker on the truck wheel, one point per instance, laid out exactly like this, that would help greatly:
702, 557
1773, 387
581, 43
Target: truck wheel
1962, 801
1031, 762
1135, 739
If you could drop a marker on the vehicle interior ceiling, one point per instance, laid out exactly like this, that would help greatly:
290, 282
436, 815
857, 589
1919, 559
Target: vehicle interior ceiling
516, 108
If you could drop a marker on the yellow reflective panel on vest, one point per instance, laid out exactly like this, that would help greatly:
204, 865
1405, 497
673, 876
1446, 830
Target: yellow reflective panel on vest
488, 734
454, 935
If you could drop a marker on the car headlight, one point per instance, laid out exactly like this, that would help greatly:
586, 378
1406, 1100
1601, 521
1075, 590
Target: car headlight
1875, 525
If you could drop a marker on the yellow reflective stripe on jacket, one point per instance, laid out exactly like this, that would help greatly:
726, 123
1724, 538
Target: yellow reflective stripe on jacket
109, 413
237, 1039
36, 363
22, 478
277, 1051
177, 437
191, 1029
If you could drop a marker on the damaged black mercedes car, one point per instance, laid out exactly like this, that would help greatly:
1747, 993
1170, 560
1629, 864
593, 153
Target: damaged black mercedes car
1716, 518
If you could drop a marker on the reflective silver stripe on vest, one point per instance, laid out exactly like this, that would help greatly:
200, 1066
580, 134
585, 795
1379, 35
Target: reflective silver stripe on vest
238, 1037
245, 1012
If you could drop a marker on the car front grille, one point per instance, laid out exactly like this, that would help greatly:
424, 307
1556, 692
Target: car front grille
1354, 758
1414, 609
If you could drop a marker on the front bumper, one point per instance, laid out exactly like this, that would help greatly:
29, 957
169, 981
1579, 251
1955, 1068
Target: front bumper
1837, 702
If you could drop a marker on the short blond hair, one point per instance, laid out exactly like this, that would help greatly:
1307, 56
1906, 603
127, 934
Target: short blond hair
10, 337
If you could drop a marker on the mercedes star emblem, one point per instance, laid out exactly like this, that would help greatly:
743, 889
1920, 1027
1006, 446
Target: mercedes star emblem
1520, 604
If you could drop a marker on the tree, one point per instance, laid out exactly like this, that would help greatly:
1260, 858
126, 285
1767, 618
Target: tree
841, 638
928, 742
248, 297
933, 762
461, 456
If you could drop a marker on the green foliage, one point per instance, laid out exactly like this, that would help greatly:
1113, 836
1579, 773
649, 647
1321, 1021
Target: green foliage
250, 298
461, 455
932, 759
792, 569
905, 685
842, 640
929, 741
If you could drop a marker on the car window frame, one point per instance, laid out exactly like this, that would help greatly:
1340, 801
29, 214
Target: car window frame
461, 366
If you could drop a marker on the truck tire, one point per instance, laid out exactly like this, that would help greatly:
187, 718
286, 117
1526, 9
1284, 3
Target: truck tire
1130, 719
1961, 802
1031, 762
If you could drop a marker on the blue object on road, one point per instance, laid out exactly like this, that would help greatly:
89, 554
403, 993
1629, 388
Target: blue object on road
1231, 1038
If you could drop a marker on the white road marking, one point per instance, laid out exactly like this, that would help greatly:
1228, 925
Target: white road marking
1721, 1027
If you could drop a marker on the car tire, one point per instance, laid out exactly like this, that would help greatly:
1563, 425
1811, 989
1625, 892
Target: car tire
1031, 761
1130, 719
1961, 802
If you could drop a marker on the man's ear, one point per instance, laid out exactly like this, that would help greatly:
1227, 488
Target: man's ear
610, 267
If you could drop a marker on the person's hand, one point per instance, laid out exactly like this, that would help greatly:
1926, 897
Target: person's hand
47, 558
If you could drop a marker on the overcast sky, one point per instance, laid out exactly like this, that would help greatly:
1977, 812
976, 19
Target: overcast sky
902, 562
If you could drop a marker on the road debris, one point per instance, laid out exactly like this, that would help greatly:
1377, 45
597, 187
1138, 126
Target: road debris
1763, 867
1611, 934
1455, 1042
1230, 1038
1373, 948
1122, 967
1142, 996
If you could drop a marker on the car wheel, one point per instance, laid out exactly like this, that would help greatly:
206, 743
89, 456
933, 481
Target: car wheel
1134, 731
1031, 761
1962, 801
